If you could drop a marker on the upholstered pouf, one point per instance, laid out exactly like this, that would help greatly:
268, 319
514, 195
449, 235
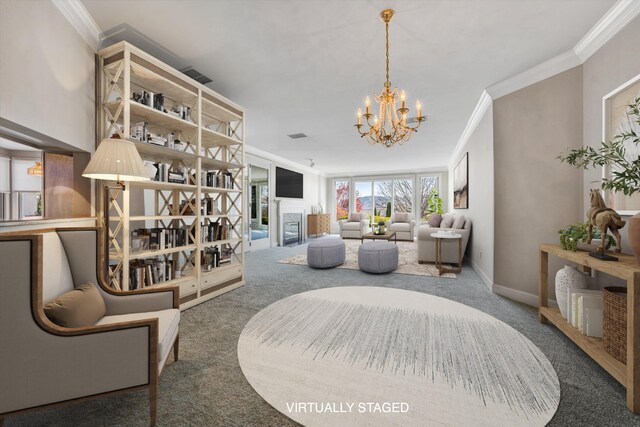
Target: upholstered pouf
378, 257
326, 253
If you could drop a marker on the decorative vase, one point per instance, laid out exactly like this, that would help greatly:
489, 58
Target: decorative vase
568, 278
634, 236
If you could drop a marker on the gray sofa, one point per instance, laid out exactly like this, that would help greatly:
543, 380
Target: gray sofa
427, 246
355, 226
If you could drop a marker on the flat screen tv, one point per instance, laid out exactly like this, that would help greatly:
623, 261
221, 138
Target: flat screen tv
289, 183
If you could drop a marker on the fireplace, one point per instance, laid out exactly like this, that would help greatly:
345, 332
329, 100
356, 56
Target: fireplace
291, 222
292, 229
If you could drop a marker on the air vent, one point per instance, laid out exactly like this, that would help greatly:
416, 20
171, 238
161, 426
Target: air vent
196, 75
297, 135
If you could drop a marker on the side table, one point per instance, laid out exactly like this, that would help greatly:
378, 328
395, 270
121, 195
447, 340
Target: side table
439, 236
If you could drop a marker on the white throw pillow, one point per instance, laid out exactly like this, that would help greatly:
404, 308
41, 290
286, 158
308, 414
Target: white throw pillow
400, 217
355, 217
459, 222
447, 221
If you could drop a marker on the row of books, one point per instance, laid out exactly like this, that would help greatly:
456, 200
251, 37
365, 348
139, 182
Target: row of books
139, 132
217, 179
214, 231
149, 272
143, 239
584, 311
214, 257
163, 172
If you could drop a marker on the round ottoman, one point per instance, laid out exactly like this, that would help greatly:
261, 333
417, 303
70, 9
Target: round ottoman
325, 253
378, 257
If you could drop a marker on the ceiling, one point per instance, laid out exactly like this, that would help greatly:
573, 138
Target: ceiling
307, 66
15, 146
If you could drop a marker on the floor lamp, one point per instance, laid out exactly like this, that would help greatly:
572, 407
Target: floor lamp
115, 160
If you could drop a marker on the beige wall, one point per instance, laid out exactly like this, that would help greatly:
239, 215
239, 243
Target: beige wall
535, 194
480, 249
46, 73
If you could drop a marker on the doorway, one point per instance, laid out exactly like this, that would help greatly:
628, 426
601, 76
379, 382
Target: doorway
259, 207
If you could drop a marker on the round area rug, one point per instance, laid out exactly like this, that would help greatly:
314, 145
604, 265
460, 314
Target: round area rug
369, 356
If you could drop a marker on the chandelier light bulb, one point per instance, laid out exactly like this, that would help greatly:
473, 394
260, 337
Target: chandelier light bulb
375, 120
359, 114
419, 108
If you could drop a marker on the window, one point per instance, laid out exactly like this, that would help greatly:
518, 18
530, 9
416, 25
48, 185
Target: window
382, 194
342, 199
364, 197
429, 186
403, 195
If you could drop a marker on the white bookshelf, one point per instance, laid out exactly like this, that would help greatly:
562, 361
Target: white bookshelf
212, 141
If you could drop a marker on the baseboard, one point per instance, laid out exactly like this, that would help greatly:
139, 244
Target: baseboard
487, 281
520, 296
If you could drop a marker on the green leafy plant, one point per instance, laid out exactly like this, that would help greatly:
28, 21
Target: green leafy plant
388, 213
625, 176
434, 204
572, 234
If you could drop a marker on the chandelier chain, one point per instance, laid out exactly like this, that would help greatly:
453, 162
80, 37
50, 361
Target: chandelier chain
388, 83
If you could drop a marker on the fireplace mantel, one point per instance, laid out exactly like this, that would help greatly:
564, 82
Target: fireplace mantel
291, 206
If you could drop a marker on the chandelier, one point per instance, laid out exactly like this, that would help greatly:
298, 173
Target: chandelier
35, 169
389, 126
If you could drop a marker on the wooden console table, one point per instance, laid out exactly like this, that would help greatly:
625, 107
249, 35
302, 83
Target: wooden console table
626, 268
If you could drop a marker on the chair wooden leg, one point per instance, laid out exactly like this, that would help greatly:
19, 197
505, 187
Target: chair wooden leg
176, 346
153, 403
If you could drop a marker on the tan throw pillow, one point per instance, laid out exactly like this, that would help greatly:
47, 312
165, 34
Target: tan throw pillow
459, 222
435, 219
354, 217
78, 308
447, 221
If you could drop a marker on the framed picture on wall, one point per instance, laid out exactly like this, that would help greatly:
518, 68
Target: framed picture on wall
461, 183
616, 120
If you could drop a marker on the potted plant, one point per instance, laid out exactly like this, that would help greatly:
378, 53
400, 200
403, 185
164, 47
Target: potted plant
381, 227
571, 235
625, 174
434, 202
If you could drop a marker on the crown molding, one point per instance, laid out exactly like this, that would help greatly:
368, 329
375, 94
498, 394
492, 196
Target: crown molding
553, 66
81, 20
398, 173
620, 14
613, 21
481, 108
249, 149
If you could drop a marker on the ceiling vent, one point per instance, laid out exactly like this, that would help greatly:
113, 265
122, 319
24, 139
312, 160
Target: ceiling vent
196, 75
297, 135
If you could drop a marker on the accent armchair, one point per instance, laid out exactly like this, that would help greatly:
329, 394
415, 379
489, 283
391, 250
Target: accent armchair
403, 224
355, 226
44, 364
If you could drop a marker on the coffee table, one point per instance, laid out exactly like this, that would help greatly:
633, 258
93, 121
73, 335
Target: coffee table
386, 236
439, 236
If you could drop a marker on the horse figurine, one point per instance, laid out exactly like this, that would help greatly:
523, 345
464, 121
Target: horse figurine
602, 217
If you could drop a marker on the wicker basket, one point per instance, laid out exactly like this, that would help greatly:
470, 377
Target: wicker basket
614, 322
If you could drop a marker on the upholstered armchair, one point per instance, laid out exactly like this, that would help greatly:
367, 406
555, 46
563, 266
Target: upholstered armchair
44, 364
403, 224
355, 226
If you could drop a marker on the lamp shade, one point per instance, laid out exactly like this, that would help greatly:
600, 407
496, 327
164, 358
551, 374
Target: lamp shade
116, 160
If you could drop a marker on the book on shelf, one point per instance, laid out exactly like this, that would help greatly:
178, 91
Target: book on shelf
217, 179
163, 172
160, 238
149, 272
578, 302
214, 231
